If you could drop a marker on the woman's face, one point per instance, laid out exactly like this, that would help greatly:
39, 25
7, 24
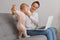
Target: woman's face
34, 6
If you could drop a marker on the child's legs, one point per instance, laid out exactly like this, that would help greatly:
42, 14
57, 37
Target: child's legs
19, 34
25, 33
19, 31
23, 29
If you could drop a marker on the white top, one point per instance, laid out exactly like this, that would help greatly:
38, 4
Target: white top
21, 20
32, 21
22, 17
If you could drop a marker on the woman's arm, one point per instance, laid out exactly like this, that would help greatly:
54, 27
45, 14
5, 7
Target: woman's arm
34, 18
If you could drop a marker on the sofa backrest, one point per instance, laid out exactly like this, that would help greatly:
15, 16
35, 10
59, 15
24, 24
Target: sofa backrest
7, 26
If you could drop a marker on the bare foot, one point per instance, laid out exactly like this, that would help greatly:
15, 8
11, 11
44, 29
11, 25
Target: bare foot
27, 36
20, 35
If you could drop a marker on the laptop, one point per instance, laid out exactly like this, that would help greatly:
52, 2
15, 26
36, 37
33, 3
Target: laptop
48, 24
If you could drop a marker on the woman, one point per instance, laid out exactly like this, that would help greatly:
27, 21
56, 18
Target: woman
32, 23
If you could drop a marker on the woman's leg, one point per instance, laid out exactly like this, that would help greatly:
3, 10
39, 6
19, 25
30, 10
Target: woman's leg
53, 30
49, 33
36, 32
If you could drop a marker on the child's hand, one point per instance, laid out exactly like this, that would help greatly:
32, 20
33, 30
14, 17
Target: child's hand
28, 14
13, 7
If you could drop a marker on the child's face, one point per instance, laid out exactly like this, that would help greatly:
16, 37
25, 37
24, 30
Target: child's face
25, 9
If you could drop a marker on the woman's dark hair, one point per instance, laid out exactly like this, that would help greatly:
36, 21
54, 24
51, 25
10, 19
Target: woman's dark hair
37, 3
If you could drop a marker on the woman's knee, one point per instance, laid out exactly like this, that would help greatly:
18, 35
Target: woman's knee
52, 29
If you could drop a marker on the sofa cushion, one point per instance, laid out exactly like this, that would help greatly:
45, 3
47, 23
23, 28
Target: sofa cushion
39, 37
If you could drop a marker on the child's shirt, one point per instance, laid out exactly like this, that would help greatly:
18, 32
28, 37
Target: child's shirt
21, 17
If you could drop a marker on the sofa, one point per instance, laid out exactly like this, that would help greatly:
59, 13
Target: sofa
8, 29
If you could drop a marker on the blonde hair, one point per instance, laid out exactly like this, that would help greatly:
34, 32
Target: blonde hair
23, 5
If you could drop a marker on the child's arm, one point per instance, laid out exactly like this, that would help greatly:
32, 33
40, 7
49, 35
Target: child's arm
13, 9
28, 14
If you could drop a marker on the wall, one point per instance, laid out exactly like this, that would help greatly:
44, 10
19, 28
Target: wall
47, 8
